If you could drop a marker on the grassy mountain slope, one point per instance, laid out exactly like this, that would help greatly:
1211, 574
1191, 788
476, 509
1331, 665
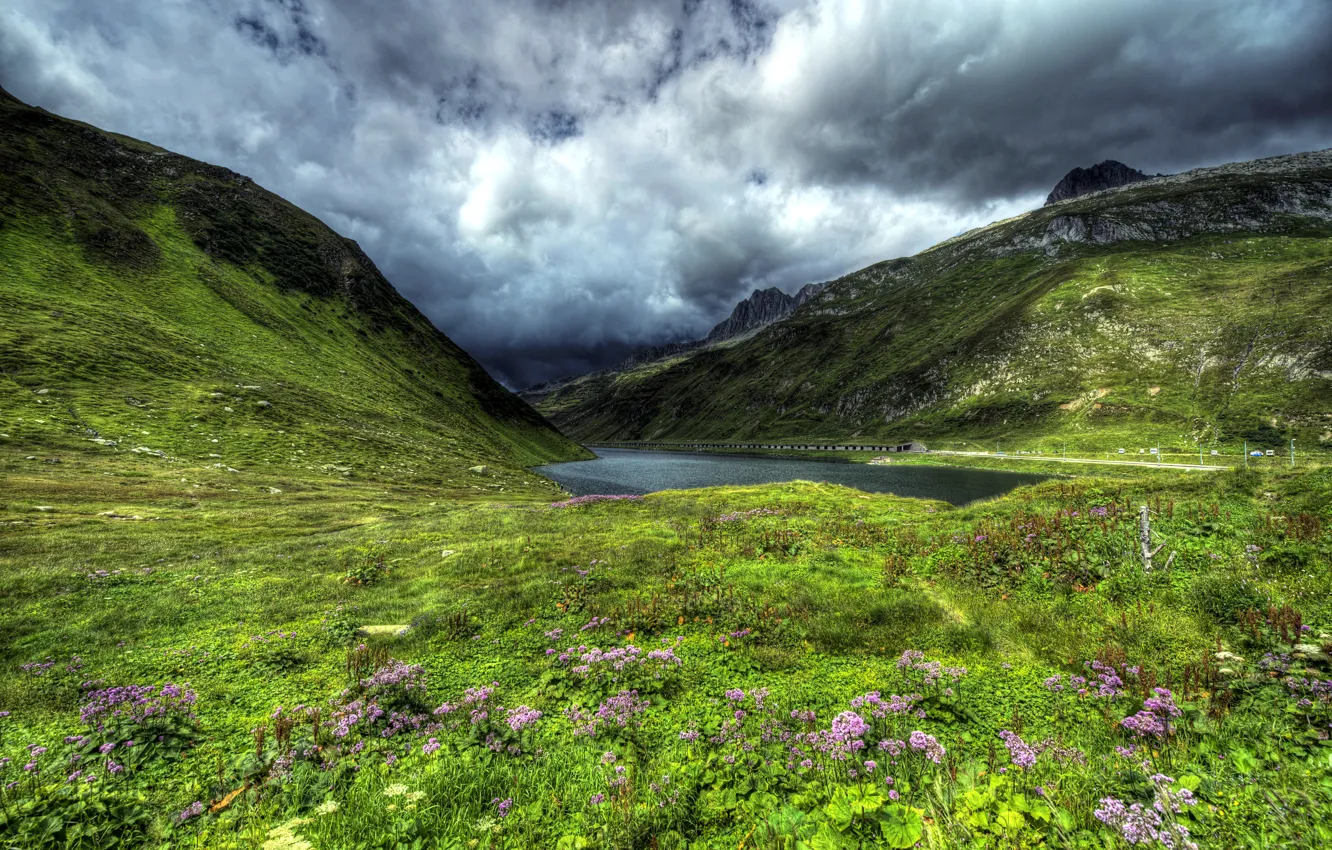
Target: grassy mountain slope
151, 301
1182, 309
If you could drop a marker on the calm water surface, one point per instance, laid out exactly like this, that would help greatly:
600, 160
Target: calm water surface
619, 471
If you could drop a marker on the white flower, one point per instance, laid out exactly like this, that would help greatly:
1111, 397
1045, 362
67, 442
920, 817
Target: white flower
416, 795
327, 807
397, 789
282, 837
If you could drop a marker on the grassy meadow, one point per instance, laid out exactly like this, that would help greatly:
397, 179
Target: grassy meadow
190, 659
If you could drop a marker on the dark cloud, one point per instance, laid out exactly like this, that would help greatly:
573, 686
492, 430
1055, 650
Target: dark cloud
554, 182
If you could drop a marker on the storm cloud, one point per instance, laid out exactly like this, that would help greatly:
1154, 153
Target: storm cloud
555, 182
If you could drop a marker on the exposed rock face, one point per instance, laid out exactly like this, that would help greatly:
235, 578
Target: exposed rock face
762, 308
759, 310
1106, 175
658, 352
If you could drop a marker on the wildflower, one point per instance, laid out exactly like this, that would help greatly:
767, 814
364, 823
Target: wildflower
521, 717
1019, 752
193, 810
597, 799
587, 500
1141, 825
430, 746
285, 838
928, 745
112, 767
735, 695
502, 806
397, 789
327, 807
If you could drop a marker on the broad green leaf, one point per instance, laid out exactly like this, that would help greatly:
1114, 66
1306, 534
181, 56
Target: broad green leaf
902, 826
1010, 821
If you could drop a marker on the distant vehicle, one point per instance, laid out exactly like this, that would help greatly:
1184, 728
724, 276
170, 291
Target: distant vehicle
1215, 453
1255, 453
1121, 451
1142, 451
1156, 451
1270, 452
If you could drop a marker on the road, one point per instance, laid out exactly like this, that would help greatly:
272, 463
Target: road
1151, 464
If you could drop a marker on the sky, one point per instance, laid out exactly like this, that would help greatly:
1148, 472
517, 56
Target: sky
558, 182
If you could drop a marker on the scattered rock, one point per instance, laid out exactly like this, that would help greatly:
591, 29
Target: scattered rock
45, 509
42, 392
114, 515
52, 460
30, 457
144, 450
478, 470
265, 404
228, 410
216, 395
103, 441
1229, 657
446, 553
274, 490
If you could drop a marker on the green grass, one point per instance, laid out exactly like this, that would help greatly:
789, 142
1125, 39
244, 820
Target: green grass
1204, 340
150, 301
251, 571
833, 584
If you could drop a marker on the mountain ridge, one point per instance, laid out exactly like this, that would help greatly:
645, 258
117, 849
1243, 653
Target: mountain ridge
1109, 174
762, 308
135, 273
982, 333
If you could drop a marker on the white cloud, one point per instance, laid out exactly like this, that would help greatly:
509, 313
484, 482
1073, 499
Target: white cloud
553, 183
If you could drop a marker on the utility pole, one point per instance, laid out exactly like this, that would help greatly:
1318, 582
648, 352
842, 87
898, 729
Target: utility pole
1246, 454
1292, 453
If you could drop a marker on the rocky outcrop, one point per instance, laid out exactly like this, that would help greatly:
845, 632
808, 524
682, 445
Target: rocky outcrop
762, 308
759, 310
1105, 175
657, 352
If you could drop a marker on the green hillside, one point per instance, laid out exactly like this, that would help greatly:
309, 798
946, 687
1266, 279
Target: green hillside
152, 303
1183, 310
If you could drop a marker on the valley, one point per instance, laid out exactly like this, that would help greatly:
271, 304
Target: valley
278, 572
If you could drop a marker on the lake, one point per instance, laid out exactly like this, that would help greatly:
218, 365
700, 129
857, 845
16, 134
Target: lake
636, 472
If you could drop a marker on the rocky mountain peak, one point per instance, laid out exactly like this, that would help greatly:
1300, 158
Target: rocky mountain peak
1104, 175
762, 308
